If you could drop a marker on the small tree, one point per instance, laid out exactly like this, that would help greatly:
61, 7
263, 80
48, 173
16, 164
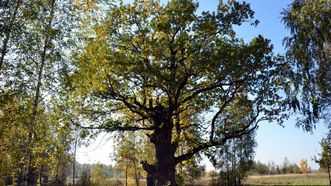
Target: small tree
294, 169
234, 159
325, 157
213, 174
259, 168
85, 178
304, 166
285, 166
130, 149
189, 171
97, 176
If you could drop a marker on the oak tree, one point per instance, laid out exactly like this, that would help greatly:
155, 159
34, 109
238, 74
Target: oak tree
180, 77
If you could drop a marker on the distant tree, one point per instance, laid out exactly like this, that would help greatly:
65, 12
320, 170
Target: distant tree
213, 174
259, 168
159, 68
271, 167
285, 166
294, 169
309, 56
129, 151
234, 159
97, 176
189, 171
304, 168
278, 170
85, 178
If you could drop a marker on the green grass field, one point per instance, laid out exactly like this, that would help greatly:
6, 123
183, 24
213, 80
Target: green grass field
289, 179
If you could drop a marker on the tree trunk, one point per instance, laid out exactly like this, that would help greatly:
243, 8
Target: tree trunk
31, 170
126, 174
165, 166
74, 163
40, 176
136, 172
8, 32
32, 176
329, 174
163, 171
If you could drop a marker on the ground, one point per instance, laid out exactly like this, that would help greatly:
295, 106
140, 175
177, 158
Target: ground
289, 179
283, 179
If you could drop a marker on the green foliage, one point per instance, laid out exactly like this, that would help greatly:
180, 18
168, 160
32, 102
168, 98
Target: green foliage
259, 168
234, 159
189, 171
34, 141
97, 175
131, 149
309, 54
161, 68
85, 178
325, 157
180, 180
325, 160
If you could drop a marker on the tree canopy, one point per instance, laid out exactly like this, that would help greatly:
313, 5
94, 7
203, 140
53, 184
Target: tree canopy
162, 68
309, 55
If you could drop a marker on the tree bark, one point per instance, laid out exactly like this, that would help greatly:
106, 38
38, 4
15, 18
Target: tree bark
126, 173
163, 171
74, 163
329, 173
136, 172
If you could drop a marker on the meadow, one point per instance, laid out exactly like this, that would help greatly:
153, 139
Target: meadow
289, 179
282, 179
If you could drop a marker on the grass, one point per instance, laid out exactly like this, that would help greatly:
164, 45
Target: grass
289, 179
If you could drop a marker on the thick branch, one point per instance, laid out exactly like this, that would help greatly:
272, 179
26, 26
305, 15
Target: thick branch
213, 122
207, 145
113, 128
225, 104
199, 91
211, 143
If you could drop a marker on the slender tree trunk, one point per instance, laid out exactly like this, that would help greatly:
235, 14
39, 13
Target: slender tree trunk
8, 33
74, 163
329, 174
57, 172
36, 100
40, 176
136, 176
126, 173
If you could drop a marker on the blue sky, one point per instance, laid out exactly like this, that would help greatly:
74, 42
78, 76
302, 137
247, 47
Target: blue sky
274, 141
